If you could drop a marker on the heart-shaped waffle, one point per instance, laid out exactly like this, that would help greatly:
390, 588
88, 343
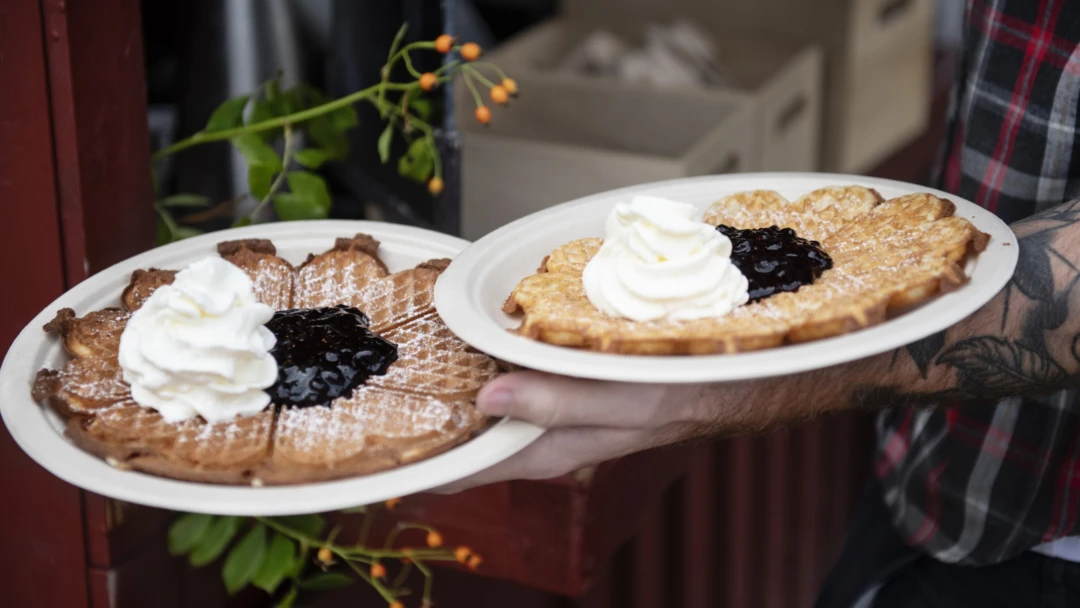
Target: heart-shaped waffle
887, 257
422, 406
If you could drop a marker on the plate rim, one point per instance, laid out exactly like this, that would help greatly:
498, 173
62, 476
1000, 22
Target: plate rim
464, 316
28, 421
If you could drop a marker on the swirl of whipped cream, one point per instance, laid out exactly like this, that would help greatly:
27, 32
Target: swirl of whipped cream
200, 346
660, 261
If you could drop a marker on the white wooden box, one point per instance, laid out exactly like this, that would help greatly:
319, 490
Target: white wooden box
781, 80
560, 141
878, 57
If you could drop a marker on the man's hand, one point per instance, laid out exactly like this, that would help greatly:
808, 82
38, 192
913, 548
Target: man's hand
590, 422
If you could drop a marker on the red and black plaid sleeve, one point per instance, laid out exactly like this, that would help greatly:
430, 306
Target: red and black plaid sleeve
980, 483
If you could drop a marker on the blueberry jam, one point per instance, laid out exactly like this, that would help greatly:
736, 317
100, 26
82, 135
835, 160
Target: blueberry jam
324, 353
775, 259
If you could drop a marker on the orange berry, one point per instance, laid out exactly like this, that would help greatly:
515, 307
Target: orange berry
435, 186
434, 539
483, 115
396, 604
428, 81
325, 555
470, 51
393, 502
378, 571
474, 562
406, 560
461, 554
443, 43
499, 94
510, 85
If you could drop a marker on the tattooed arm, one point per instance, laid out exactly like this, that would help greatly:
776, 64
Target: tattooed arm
1026, 341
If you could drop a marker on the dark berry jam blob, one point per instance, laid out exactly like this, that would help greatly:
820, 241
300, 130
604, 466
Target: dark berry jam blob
775, 259
325, 353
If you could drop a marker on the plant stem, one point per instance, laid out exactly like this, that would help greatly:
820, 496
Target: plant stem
476, 73
472, 87
202, 137
374, 582
428, 581
409, 66
497, 69
434, 154
286, 157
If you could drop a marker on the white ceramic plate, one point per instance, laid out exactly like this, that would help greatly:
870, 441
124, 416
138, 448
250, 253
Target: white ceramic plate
470, 294
39, 431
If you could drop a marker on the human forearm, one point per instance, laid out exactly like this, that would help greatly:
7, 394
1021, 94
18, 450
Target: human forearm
1023, 342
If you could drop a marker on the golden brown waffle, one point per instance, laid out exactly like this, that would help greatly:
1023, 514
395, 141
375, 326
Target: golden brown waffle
887, 256
422, 406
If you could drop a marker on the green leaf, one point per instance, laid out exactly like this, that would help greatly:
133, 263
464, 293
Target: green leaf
273, 88
259, 179
242, 221
162, 232
292, 207
217, 538
385, 139
309, 186
327, 137
421, 107
187, 532
326, 580
287, 101
256, 151
417, 163
312, 158
244, 559
185, 200
279, 559
344, 118
228, 115
185, 232
315, 96
289, 599
261, 111
308, 525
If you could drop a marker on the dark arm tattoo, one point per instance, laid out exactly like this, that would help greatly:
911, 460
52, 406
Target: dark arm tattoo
1024, 342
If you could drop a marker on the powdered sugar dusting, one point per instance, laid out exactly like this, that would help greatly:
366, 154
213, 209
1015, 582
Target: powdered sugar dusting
880, 252
349, 424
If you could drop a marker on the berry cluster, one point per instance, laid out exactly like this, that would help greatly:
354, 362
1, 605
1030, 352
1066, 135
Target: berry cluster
775, 259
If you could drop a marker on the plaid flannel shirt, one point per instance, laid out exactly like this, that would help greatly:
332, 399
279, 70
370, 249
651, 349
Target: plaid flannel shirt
979, 483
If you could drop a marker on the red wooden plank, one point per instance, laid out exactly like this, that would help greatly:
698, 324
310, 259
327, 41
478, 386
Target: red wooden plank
98, 103
41, 527
809, 531
778, 505
649, 549
740, 546
698, 530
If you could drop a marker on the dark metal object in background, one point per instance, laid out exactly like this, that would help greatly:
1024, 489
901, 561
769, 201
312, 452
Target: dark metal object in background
360, 38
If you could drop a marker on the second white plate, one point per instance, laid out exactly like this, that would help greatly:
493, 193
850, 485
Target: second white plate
470, 294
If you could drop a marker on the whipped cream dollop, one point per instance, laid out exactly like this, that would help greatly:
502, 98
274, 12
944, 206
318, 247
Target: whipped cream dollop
660, 261
200, 346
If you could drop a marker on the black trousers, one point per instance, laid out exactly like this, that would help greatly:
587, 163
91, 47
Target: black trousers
875, 557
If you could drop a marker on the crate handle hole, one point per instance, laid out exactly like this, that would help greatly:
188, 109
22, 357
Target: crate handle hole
892, 9
791, 113
730, 165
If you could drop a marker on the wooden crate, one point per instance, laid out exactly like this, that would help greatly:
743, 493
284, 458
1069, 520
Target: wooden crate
878, 61
782, 80
563, 140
